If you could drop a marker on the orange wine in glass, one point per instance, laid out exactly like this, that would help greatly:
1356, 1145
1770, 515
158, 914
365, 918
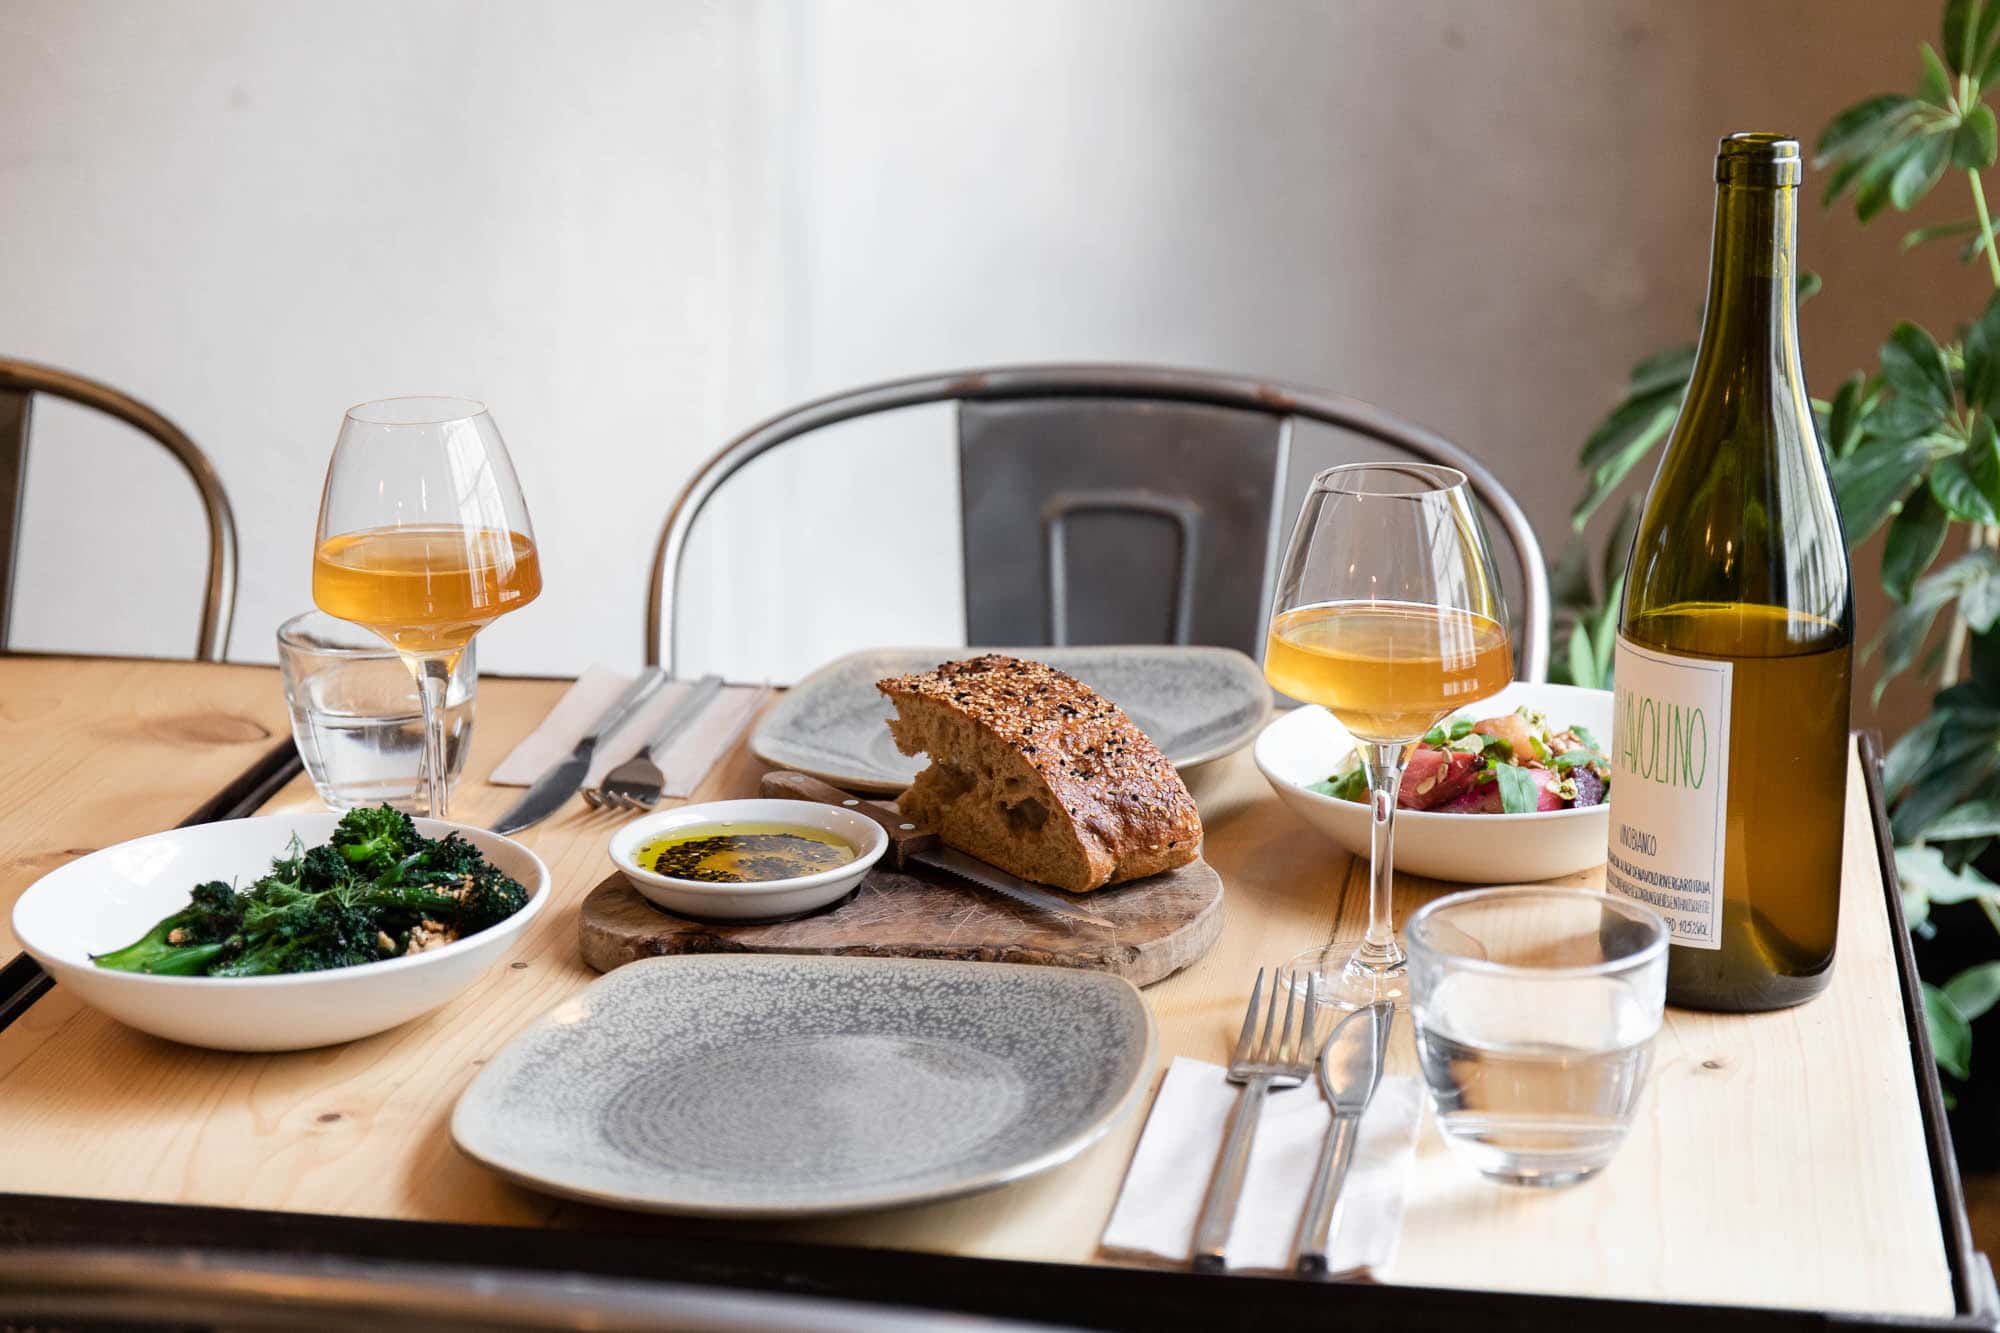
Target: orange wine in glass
1388, 615
424, 539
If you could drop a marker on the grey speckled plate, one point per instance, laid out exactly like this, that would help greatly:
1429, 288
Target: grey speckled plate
735, 1086
1196, 704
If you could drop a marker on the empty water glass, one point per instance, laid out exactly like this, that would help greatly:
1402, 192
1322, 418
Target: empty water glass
356, 717
1535, 1012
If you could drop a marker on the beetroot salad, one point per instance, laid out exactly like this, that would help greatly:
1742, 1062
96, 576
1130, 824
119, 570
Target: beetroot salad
1512, 764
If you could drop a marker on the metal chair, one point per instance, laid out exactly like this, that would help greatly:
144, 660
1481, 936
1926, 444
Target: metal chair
20, 381
1191, 463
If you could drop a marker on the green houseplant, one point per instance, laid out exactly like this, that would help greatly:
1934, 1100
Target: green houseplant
1914, 445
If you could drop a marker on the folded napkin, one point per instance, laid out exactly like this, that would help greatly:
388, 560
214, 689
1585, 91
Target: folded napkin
1170, 1173
685, 759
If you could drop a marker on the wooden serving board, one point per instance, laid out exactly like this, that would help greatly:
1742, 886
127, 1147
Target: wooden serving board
1160, 925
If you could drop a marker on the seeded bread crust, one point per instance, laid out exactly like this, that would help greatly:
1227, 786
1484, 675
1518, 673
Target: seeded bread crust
1037, 773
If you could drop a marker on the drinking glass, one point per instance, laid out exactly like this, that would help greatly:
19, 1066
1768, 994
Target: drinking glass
1535, 1012
1389, 614
357, 717
424, 538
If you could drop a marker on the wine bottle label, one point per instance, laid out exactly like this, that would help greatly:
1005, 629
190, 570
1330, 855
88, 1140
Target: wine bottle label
1670, 788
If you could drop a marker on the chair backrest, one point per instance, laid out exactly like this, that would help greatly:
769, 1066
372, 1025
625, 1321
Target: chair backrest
1191, 463
1119, 520
20, 381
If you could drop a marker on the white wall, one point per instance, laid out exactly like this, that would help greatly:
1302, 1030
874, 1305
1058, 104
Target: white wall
634, 228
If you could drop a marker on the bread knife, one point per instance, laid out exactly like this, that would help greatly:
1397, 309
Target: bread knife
911, 845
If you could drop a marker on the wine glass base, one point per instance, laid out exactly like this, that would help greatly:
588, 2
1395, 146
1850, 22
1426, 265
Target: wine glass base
1345, 976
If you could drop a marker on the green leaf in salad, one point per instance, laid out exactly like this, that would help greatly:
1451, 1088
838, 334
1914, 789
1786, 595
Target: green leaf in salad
1569, 759
1519, 793
1461, 728
1583, 733
1349, 786
1473, 743
1500, 749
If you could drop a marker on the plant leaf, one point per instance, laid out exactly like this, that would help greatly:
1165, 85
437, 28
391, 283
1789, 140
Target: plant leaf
1915, 537
1908, 756
1608, 474
1973, 142
1914, 366
1648, 414
1669, 369
1922, 867
1938, 231
1920, 170
1974, 819
1934, 84
1961, 50
1605, 637
1982, 358
1878, 172
1618, 546
1860, 127
1990, 70
1958, 767
1951, 1035
1975, 990
1872, 481
1850, 408
1976, 572
1968, 484
1582, 660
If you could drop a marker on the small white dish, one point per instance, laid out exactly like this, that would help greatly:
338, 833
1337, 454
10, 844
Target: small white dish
106, 900
767, 900
1306, 745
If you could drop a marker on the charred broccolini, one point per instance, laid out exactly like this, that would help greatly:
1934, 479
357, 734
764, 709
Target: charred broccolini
377, 889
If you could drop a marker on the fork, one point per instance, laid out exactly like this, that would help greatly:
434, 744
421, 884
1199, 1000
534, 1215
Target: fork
636, 784
1259, 1065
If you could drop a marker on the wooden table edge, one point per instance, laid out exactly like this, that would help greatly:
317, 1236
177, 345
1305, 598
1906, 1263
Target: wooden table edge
1115, 1294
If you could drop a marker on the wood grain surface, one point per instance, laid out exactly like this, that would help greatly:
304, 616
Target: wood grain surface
1777, 1159
97, 750
1158, 926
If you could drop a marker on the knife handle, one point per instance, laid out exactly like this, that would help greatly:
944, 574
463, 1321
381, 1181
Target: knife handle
905, 838
1316, 1227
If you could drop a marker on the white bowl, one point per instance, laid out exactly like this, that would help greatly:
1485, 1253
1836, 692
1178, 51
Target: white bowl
110, 898
767, 900
1306, 745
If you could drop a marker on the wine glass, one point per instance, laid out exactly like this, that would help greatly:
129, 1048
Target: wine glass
1387, 613
424, 539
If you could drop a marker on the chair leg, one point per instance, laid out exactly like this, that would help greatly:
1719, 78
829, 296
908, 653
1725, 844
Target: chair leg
14, 412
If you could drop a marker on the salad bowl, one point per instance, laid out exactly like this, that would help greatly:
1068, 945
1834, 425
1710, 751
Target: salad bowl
1307, 746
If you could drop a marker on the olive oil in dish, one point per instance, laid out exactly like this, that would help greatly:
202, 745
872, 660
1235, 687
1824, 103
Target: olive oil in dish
744, 853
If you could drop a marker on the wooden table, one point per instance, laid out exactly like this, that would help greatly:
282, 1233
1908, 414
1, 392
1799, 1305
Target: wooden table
1778, 1160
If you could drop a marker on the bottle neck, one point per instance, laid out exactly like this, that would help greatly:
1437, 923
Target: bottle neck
1751, 323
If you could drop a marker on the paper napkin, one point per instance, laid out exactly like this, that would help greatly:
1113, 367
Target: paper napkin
1169, 1177
685, 760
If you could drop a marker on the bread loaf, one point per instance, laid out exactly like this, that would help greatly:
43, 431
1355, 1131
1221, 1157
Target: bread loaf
1037, 773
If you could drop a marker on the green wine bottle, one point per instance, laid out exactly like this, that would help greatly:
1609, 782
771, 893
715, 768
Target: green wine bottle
1736, 638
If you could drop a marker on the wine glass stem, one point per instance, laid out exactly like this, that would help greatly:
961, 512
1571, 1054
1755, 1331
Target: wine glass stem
1385, 778
433, 680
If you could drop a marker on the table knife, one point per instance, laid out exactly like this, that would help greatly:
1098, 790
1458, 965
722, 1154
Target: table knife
560, 781
1350, 1067
910, 844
